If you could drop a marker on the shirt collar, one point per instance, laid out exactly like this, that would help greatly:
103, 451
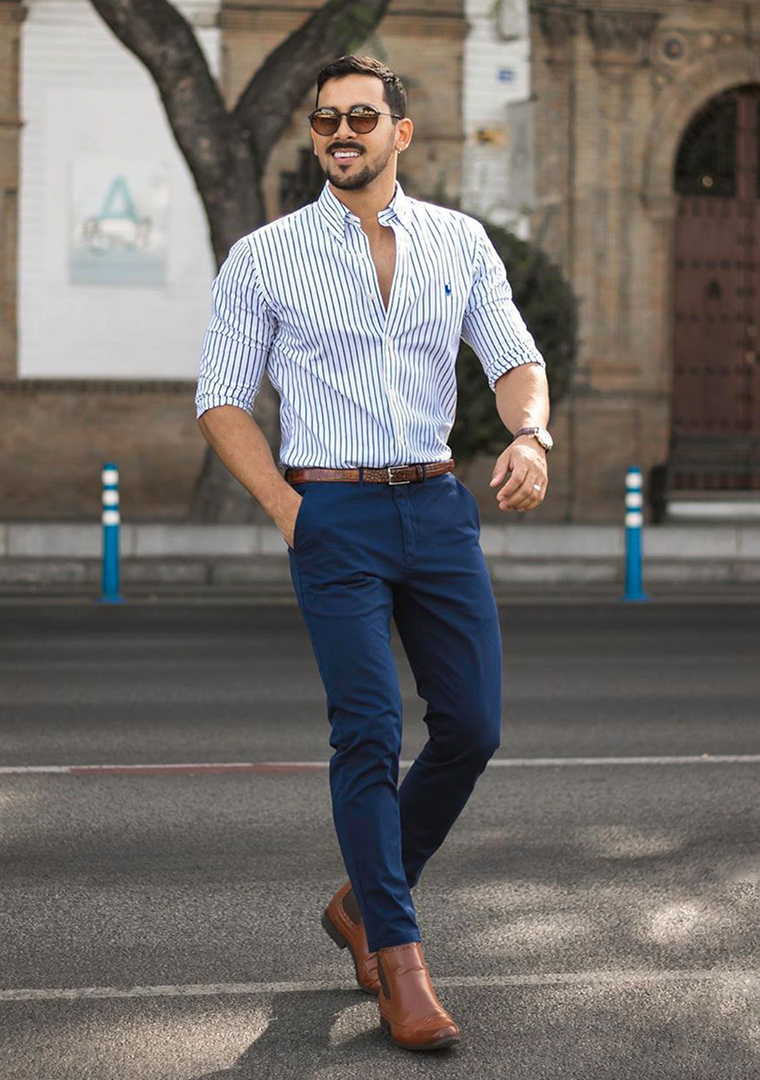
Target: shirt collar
336, 214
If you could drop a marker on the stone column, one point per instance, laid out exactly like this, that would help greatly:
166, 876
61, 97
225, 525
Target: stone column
554, 84
609, 186
12, 14
593, 104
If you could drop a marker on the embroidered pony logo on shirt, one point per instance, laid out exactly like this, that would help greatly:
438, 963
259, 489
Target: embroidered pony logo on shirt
447, 287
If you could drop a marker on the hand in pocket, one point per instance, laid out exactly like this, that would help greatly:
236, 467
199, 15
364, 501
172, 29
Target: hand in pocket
290, 539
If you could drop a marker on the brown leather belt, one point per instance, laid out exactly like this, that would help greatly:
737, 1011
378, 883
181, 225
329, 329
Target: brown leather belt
390, 474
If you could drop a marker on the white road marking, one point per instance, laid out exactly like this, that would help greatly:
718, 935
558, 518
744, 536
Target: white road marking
630, 977
303, 766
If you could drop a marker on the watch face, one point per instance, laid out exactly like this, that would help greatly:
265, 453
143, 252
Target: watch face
544, 438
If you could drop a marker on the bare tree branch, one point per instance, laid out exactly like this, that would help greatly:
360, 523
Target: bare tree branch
209, 137
226, 151
278, 87
160, 36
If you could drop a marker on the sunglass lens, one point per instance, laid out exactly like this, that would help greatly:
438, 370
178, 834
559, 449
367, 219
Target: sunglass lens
325, 123
362, 121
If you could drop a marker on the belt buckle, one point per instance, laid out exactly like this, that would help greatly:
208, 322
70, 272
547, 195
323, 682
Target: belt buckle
390, 474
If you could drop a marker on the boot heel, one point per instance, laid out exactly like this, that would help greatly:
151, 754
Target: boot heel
334, 933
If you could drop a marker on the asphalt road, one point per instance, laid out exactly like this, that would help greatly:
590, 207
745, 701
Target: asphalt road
584, 919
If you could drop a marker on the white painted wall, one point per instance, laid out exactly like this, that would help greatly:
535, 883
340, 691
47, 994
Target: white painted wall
496, 87
84, 94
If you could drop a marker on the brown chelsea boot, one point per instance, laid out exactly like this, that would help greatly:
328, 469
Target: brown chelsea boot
409, 1007
343, 922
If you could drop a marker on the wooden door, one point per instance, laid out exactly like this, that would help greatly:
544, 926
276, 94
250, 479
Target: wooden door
716, 375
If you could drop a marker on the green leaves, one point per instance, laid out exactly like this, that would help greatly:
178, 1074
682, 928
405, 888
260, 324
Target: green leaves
549, 307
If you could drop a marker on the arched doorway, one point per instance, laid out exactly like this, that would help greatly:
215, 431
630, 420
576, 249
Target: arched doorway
715, 444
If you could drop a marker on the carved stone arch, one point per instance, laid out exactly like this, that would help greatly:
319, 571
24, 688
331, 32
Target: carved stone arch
704, 80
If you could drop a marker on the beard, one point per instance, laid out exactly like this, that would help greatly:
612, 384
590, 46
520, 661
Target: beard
360, 177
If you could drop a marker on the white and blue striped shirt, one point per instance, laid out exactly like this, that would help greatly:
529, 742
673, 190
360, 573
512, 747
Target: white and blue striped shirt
359, 386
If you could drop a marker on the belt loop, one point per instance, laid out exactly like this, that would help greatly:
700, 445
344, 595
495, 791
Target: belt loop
361, 476
424, 477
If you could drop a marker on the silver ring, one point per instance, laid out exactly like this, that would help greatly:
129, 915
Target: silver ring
537, 487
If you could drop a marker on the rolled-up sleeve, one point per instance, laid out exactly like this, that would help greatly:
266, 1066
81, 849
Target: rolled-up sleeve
238, 337
492, 325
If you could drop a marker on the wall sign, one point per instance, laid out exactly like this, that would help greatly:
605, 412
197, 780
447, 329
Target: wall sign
119, 222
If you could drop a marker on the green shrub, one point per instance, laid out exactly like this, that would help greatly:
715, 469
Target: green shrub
547, 304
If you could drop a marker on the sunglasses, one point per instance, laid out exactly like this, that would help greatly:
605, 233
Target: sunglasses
361, 119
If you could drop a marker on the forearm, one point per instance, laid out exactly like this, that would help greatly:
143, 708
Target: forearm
242, 447
522, 397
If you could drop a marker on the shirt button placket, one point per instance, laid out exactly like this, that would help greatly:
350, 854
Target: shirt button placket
390, 356
394, 398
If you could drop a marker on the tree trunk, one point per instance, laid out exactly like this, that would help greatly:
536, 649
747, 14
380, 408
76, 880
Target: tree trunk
227, 152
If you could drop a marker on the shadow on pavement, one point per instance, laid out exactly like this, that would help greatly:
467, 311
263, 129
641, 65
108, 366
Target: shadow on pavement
327, 1033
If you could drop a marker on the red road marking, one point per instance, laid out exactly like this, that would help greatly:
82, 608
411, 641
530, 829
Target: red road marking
137, 770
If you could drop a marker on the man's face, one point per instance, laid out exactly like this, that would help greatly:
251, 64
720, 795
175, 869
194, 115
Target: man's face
375, 148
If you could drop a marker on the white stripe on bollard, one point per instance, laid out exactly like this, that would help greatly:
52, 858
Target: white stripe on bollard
111, 522
634, 519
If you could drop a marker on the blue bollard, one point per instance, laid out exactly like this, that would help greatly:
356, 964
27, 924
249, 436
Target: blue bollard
111, 520
634, 519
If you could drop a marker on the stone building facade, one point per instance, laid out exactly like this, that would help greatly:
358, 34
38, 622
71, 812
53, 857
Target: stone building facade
56, 429
614, 96
97, 372
616, 91
12, 14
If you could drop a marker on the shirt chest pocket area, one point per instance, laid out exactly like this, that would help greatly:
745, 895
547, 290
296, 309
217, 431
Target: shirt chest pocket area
440, 299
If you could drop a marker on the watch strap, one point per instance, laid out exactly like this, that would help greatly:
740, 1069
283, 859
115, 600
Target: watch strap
534, 430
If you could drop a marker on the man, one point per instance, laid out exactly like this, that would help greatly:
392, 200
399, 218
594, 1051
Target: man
355, 304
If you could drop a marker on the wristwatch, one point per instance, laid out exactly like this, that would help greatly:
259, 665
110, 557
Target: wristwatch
540, 433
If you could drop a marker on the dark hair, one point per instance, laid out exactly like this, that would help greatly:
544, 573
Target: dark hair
394, 93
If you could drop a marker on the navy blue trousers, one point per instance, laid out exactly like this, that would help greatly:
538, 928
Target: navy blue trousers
363, 554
